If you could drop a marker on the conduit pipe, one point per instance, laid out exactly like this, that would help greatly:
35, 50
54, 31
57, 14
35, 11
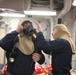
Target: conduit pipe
66, 9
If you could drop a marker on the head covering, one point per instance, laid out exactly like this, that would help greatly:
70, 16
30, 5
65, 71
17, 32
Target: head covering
23, 22
62, 32
25, 43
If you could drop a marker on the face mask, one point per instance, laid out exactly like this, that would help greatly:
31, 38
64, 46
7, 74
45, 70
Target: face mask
28, 31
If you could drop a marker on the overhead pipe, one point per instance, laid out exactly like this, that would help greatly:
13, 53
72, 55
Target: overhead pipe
51, 4
26, 4
29, 5
67, 7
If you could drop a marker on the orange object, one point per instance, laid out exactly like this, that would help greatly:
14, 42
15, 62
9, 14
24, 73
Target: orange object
4, 69
39, 69
49, 68
42, 74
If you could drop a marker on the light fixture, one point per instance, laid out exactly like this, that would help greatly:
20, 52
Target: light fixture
74, 3
40, 13
12, 15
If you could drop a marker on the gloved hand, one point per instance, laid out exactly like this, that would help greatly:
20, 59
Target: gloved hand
39, 28
36, 57
19, 28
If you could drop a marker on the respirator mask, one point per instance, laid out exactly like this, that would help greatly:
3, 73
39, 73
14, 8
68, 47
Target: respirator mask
29, 30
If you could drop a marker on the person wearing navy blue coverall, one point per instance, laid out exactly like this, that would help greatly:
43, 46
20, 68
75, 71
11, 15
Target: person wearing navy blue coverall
24, 64
60, 49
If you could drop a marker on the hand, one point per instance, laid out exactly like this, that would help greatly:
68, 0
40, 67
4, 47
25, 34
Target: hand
39, 28
36, 57
35, 31
19, 28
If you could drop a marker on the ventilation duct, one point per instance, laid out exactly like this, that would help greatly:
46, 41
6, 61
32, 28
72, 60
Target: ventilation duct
19, 5
67, 7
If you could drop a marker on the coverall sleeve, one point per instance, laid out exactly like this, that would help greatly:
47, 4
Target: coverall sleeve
7, 42
42, 60
48, 46
37, 50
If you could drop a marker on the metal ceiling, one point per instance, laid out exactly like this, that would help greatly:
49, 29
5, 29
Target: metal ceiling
21, 5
